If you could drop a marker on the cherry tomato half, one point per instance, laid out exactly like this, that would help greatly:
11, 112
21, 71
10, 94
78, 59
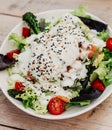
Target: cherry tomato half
25, 32
19, 86
11, 53
109, 43
56, 106
97, 84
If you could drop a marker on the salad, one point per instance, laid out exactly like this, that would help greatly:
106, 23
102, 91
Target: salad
58, 63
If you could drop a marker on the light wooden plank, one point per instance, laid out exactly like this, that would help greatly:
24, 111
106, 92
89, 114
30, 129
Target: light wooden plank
6, 25
6, 128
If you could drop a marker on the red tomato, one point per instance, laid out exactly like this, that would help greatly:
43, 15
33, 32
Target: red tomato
25, 32
109, 43
97, 84
11, 53
56, 106
19, 86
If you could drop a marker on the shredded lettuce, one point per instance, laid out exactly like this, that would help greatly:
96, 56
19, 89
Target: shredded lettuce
107, 54
108, 80
30, 100
102, 70
104, 35
98, 60
39, 108
103, 65
19, 41
81, 11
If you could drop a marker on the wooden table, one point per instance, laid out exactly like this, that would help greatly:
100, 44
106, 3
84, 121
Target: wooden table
11, 118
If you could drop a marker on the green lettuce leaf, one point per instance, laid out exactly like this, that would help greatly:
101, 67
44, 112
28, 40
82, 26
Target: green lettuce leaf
80, 103
19, 41
81, 11
103, 72
30, 100
104, 35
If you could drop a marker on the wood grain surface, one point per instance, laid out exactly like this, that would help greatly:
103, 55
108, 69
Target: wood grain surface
11, 118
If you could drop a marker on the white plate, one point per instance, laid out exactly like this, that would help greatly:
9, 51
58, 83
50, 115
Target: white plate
71, 112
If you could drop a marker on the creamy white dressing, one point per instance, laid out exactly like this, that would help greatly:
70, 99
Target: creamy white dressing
49, 56
59, 47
